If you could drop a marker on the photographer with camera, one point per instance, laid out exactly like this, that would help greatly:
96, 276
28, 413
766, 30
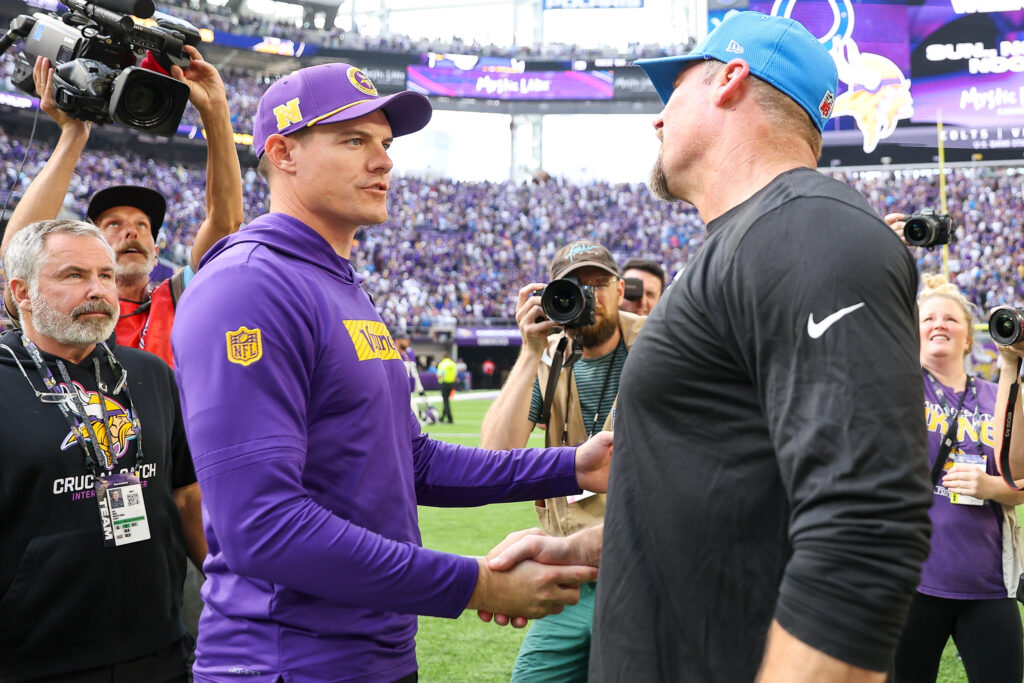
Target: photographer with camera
130, 217
971, 577
649, 280
557, 648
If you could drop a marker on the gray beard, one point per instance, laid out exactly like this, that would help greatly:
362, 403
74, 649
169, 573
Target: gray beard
67, 329
131, 274
658, 183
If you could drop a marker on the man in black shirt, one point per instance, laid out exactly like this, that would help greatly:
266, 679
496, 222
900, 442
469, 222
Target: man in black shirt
90, 588
767, 509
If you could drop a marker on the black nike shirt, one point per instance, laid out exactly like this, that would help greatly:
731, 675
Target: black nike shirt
769, 448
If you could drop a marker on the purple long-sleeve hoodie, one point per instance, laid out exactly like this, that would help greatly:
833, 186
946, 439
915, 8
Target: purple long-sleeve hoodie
311, 464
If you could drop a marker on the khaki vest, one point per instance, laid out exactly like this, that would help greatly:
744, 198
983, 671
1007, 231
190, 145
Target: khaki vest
557, 516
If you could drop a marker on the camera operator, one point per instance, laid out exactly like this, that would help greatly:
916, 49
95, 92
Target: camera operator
558, 647
130, 217
652, 276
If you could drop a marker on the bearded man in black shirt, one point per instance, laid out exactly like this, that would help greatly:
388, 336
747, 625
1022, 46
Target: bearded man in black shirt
97, 490
767, 509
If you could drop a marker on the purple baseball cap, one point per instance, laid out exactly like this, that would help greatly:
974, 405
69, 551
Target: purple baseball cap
328, 93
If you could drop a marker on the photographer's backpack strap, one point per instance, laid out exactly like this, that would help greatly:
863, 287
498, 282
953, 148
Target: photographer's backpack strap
177, 282
1004, 452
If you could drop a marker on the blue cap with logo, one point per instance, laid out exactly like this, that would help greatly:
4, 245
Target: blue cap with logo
779, 51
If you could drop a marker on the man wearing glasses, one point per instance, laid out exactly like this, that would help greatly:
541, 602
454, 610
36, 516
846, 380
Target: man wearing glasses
97, 488
581, 401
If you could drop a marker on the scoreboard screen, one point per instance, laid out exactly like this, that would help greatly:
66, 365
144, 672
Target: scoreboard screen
916, 61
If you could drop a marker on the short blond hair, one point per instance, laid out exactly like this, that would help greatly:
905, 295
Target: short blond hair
781, 109
937, 285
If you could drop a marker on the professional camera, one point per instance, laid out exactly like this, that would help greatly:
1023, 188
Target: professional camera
1006, 325
928, 229
568, 303
634, 290
92, 49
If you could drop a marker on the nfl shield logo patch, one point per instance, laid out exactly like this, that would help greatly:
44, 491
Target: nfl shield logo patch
826, 104
245, 346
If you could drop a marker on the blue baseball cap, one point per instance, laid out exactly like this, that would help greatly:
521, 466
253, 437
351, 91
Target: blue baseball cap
780, 51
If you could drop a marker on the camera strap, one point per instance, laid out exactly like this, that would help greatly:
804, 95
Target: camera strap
1004, 452
556, 371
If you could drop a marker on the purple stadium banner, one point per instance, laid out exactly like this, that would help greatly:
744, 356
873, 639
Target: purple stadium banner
488, 336
531, 85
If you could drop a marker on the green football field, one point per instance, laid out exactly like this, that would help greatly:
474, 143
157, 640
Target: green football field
466, 649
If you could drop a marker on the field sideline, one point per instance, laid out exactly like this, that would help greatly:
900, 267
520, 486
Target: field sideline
465, 650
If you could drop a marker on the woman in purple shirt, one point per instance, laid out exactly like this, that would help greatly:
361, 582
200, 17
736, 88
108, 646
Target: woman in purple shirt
970, 578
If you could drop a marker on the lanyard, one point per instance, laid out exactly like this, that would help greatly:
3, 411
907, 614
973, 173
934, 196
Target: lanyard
948, 440
604, 387
955, 416
107, 460
600, 400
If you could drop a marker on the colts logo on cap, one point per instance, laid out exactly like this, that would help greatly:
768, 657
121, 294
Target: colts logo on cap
826, 104
245, 346
287, 113
361, 81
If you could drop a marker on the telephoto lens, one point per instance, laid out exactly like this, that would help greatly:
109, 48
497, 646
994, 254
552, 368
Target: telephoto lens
1006, 325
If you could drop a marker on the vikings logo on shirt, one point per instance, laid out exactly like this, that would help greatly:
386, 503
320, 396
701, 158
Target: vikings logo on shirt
113, 442
245, 346
372, 340
361, 81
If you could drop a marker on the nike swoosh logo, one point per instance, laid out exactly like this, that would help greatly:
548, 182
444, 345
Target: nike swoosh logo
815, 330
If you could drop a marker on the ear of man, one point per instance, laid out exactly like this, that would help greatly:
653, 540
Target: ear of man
18, 289
279, 152
731, 83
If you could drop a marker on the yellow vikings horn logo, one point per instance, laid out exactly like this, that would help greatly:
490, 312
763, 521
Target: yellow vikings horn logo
113, 443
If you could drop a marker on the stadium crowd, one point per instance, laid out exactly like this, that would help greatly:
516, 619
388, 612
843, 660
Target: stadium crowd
458, 251
218, 18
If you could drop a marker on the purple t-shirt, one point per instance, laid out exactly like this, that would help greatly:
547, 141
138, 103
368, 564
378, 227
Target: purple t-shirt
965, 562
311, 464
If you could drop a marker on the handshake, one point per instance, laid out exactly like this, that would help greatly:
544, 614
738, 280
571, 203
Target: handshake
530, 575
538, 574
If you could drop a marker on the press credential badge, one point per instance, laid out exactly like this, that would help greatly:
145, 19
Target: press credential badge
122, 510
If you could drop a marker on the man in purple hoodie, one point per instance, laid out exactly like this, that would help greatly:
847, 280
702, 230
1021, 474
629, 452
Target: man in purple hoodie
296, 406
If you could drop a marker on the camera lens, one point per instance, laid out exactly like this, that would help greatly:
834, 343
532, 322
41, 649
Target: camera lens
562, 304
917, 233
143, 100
148, 101
562, 301
1006, 326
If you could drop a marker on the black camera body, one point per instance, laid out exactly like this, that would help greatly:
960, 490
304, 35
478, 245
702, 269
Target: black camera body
634, 289
928, 229
92, 49
568, 303
1006, 325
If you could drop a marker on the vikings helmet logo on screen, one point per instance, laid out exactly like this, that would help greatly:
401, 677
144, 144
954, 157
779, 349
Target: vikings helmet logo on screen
877, 92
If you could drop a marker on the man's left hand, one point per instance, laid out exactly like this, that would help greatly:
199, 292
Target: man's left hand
593, 460
204, 82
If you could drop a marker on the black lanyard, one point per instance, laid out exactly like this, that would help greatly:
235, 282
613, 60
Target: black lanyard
95, 460
949, 439
600, 400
